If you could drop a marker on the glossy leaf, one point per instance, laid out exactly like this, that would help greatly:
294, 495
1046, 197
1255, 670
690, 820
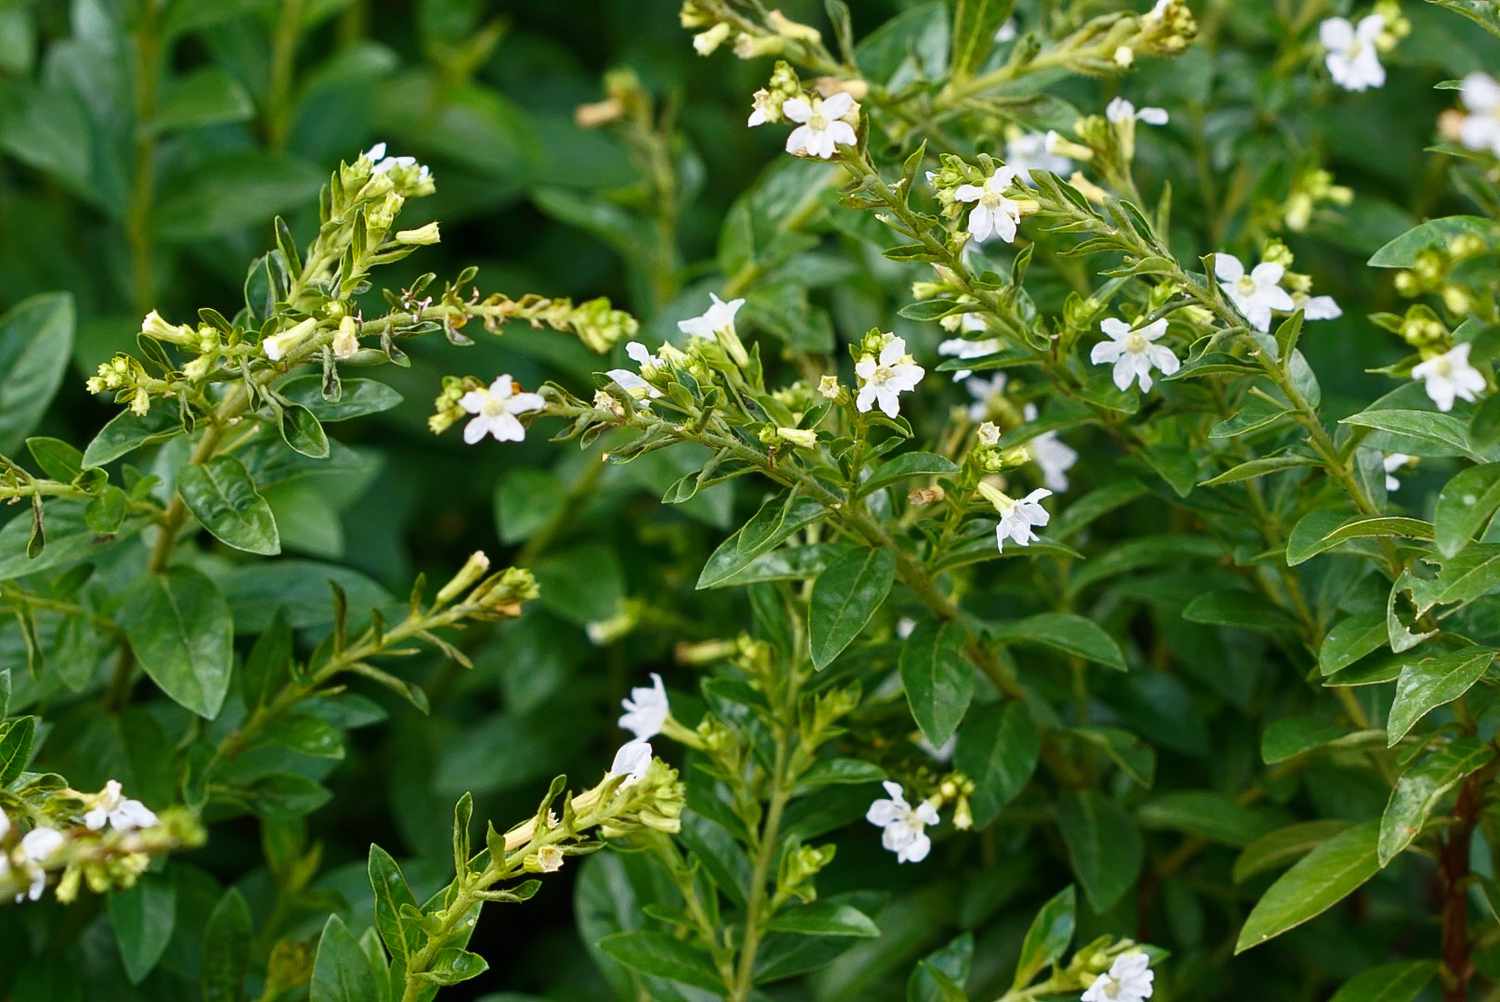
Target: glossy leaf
844, 597
180, 631
1320, 880
938, 679
221, 495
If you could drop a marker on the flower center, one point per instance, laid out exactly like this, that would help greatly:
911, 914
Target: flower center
1113, 989
494, 406
1442, 368
991, 199
818, 121
883, 374
1246, 285
1135, 343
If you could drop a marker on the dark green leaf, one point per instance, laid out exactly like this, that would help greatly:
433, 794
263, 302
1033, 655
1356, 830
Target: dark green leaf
844, 597
180, 630
221, 495
1065, 632
1050, 933
1320, 880
1422, 785
938, 678
998, 748
1104, 845
36, 341
340, 971
142, 918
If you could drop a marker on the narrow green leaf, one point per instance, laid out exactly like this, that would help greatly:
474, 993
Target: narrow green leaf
1429, 683
1399, 982
844, 597
1104, 845
1048, 937
825, 918
1422, 785
1463, 506
1320, 880
1065, 632
910, 464
1283, 847
663, 956
938, 678
340, 971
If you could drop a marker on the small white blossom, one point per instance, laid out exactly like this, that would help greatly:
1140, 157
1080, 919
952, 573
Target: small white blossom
642, 391
884, 379
1392, 463
904, 627
988, 434
1449, 376
984, 391
1029, 151
375, 153
761, 109
549, 859
994, 214
1124, 56
1052, 454
1129, 980
719, 316
38, 846
1007, 31
631, 761
1255, 294
1133, 352
1016, 517
646, 709
1353, 60
1317, 307
962, 347
1480, 128
822, 128
495, 411
903, 826
111, 807
1120, 111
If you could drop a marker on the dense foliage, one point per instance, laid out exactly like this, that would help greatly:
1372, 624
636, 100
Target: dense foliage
1023, 475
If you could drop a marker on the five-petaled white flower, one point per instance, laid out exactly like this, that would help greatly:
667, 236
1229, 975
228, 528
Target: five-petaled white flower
1051, 453
1016, 517
1029, 151
962, 347
1133, 352
884, 379
646, 709
495, 411
1120, 111
1480, 128
984, 391
631, 761
822, 128
642, 391
719, 316
1449, 376
1128, 980
1255, 294
903, 826
1392, 463
994, 214
112, 808
1353, 60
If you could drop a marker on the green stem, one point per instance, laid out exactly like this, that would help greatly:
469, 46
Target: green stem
148, 55
283, 68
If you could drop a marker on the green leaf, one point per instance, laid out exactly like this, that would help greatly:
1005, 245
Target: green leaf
1243, 610
57, 458
1463, 506
1291, 736
340, 971
180, 631
357, 398
1284, 846
1364, 527
825, 918
36, 341
1320, 880
1398, 982
391, 894
663, 956
1064, 632
16, 738
1206, 814
998, 747
1104, 845
910, 464
70, 540
975, 23
1429, 683
221, 195
1472, 574
938, 678
1403, 251
127, 432
221, 495
453, 965
209, 96
226, 949
1048, 937
1258, 468
1422, 433
750, 541
1351, 639
142, 918
844, 597
302, 432
940, 976
1422, 785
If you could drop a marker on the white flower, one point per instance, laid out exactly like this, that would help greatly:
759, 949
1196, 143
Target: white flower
277, 346
719, 316
37, 846
903, 825
904, 627
1480, 129
495, 411
1133, 352
1392, 463
761, 109
1120, 111
1007, 31
1450, 375
1017, 517
988, 434
1352, 60
1129, 980
549, 859
346, 341
110, 807
632, 384
631, 761
984, 391
993, 215
375, 153
822, 127
1158, 12
961, 347
884, 379
1255, 295
646, 709
1052, 454
1028, 152
1317, 307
